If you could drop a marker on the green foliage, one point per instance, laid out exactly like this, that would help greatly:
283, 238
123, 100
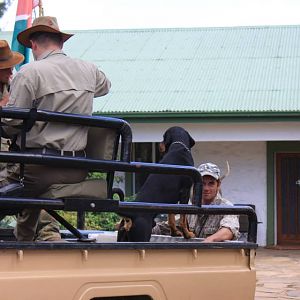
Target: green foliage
71, 217
94, 221
130, 198
102, 221
97, 221
97, 175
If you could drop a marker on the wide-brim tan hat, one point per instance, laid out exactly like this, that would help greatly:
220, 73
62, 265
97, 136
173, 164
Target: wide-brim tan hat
41, 24
8, 58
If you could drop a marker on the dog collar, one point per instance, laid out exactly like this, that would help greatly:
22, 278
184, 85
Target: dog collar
181, 143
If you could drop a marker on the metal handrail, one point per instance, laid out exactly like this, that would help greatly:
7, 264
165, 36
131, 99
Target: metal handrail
124, 165
32, 115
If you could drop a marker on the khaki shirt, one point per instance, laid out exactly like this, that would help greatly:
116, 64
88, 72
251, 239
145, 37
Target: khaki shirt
204, 227
56, 82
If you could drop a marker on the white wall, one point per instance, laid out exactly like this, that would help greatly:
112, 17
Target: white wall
243, 145
251, 131
246, 182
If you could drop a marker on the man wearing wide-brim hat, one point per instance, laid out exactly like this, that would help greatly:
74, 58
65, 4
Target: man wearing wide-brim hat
53, 82
8, 60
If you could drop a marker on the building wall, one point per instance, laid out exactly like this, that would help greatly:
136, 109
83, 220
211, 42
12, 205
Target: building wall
246, 182
243, 145
221, 131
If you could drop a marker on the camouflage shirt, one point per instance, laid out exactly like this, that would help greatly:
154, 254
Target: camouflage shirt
204, 226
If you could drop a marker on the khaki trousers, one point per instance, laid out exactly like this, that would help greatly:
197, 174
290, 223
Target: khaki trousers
37, 179
48, 228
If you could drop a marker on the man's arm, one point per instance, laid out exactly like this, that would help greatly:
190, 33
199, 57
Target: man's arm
21, 95
228, 229
3, 101
102, 85
221, 235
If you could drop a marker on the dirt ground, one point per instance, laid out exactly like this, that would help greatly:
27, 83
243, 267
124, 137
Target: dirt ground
278, 274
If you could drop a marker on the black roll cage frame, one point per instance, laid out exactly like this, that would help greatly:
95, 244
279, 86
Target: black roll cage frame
124, 164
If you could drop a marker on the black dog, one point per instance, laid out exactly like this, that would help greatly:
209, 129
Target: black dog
161, 188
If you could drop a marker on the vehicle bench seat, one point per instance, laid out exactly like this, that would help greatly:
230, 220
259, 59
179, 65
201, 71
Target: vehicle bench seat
101, 144
90, 188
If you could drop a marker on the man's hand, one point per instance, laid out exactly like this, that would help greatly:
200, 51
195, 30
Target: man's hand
4, 100
5, 96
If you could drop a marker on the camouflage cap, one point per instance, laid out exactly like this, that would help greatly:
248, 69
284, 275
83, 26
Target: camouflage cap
210, 169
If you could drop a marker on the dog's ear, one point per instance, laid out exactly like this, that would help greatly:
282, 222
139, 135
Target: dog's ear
167, 139
191, 140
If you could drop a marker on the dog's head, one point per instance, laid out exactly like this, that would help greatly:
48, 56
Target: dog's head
176, 134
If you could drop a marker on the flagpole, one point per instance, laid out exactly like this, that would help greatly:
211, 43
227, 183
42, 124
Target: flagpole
23, 21
41, 9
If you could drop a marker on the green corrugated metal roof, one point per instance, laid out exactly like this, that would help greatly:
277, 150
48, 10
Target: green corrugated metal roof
195, 70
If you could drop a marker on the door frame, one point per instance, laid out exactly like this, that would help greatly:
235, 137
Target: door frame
272, 149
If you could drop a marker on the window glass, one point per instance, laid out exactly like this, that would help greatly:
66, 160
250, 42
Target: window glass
143, 153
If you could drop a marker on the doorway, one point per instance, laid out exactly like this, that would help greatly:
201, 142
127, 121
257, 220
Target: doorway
288, 198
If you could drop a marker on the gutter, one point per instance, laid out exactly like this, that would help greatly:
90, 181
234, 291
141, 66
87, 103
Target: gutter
239, 117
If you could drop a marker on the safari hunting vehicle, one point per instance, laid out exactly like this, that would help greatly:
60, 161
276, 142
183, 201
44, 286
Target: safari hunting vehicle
97, 267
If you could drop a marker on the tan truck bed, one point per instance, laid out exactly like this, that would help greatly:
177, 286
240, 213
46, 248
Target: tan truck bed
155, 270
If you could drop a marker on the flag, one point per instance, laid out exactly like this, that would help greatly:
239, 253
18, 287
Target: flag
23, 21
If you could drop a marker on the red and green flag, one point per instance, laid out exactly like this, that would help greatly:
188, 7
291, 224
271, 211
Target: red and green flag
23, 21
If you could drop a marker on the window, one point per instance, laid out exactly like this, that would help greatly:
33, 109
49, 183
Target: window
142, 152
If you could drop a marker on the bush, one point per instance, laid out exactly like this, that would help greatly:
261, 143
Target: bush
94, 221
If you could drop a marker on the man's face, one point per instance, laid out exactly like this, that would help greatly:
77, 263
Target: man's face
210, 189
5, 75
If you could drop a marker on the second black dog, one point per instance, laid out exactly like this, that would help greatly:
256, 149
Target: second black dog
161, 188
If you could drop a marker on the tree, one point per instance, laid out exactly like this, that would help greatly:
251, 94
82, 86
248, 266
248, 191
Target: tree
4, 4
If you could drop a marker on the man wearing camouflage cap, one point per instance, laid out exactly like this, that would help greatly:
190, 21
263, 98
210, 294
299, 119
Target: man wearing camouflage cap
213, 228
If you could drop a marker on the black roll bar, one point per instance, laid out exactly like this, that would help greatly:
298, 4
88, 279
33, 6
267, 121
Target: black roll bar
110, 205
32, 115
28, 116
107, 165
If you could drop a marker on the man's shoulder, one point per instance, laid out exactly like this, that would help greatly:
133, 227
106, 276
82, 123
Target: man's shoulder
48, 65
222, 201
29, 67
84, 62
